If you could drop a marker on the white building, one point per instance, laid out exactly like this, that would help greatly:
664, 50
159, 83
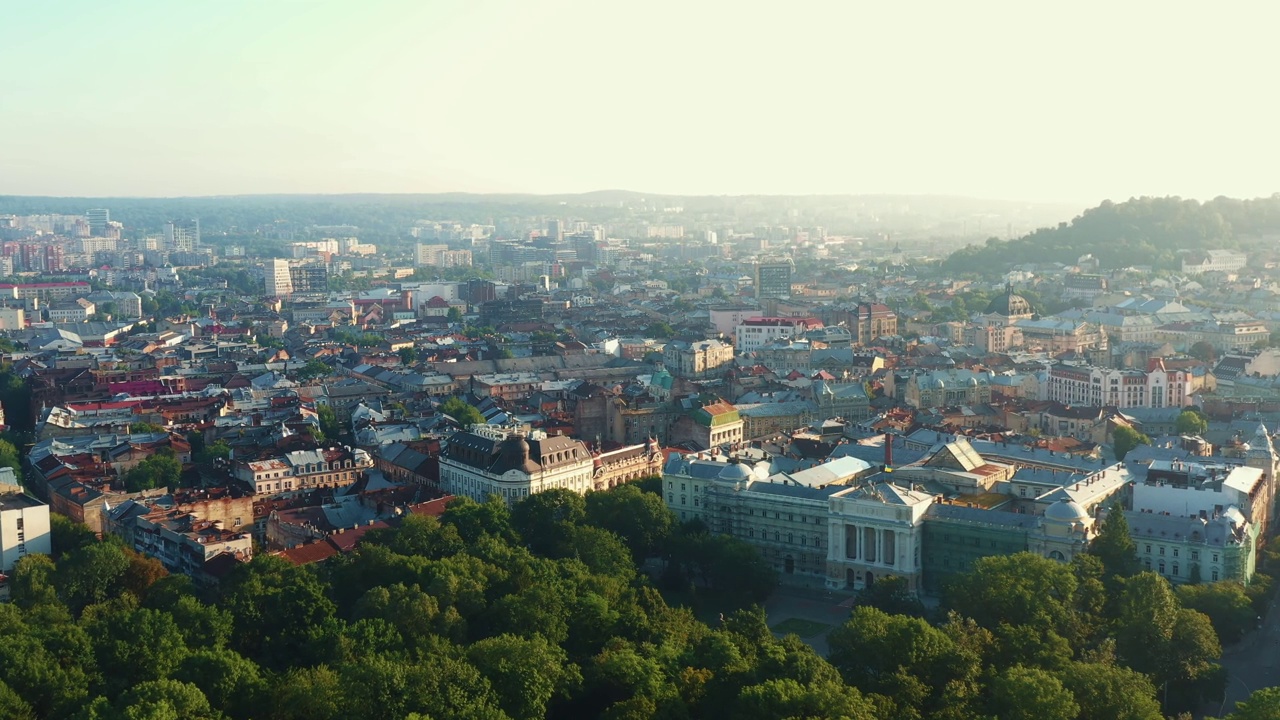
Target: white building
1214, 261
428, 254
24, 525
12, 318
876, 530
279, 281
182, 235
1092, 386
756, 332
785, 515
511, 464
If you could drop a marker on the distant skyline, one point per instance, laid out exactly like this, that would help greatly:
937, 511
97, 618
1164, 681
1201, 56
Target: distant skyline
1068, 103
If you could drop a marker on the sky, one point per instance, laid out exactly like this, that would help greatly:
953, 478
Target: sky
1070, 102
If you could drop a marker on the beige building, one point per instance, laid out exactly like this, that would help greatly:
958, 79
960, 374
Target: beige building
303, 470
697, 360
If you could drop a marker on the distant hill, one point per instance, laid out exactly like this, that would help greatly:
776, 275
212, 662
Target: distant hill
1140, 231
380, 215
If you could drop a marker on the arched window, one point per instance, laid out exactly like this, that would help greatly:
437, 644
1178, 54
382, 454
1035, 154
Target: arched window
1161, 567
1057, 555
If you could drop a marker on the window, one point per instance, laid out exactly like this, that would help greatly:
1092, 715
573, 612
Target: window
790, 538
695, 501
1162, 550
1175, 569
1195, 554
1175, 554
1215, 557
1215, 576
1161, 567
1148, 548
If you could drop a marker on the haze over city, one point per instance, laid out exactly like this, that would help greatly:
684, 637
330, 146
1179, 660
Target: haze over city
1005, 100
554, 360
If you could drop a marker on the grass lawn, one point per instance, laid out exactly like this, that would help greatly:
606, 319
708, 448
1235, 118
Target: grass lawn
803, 628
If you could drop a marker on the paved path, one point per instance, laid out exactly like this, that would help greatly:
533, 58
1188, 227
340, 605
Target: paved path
830, 609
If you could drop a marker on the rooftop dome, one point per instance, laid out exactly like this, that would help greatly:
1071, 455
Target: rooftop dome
1066, 511
1009, 305
734, 472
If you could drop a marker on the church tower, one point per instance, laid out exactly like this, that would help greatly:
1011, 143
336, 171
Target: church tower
1262, 455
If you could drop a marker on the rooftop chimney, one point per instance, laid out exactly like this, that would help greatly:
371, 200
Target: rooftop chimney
888, 451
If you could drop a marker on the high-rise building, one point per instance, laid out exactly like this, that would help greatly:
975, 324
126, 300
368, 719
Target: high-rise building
98, 219
278, 279
555, 230
773, 280
309, 278
428, 254
53, 258
182, 235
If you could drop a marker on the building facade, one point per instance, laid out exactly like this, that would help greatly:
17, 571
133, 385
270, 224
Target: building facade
24, 526
697, 360
1098, 386
507, 462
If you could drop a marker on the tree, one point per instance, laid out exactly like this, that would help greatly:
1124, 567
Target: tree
232, 683
408, 355
526, 673
786, 698
1021, 693
1114, 546
1263, 704
160, 469
9, 454
892, 594
474, 520
142, 428
1125, 438
13, 706
641, 519
1203, 351
543, 519
1190, 422
162, 699
67, 534
660, 330
91, 574
1110, 692
454, 315
902, 657
329, 424
312, 370
1226, 604
1019, 589
276, 607
135, 645
458, 409
1147, 611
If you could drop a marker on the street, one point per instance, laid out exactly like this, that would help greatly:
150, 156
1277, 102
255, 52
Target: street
1252, 664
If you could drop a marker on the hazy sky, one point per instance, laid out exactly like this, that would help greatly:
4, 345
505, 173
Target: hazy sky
1012, 100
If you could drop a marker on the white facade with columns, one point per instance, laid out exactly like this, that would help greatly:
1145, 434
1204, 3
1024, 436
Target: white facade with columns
875, 531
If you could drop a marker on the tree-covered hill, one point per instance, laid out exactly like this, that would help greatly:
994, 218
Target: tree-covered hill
1140, 231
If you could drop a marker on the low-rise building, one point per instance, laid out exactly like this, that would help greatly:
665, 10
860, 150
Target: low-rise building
302, 470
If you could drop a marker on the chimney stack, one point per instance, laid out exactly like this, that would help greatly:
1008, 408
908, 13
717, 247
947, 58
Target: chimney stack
888, 450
